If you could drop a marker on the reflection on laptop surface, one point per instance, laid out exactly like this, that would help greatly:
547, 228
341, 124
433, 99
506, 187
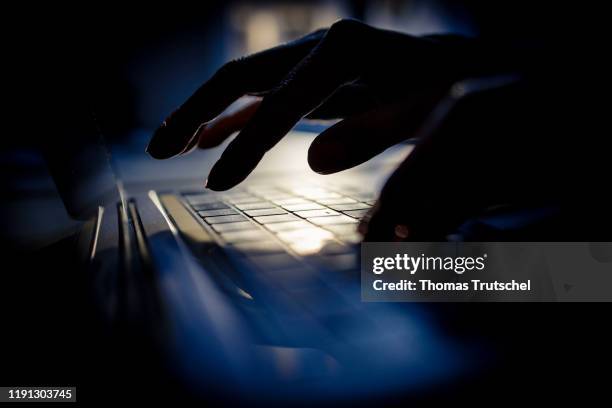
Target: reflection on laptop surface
257, 285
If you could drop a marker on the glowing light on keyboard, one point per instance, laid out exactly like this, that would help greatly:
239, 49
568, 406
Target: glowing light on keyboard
306, 241
305, 234
308, 246
314, 192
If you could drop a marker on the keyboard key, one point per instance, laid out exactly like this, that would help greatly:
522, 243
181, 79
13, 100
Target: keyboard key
275, 196
322, 194
342, 229
315, 192
259, 247
267, 219
290, 201
269, 193
287, 226
356, 213
312, 233
235, 194
265, 211
308, 246
215, 213
244, 200
316, 213
338, 200
364, 196
256, 188
347, 207
234, 226
209, 206
305, 247
194, 199
335, 219
224, 218
255, 206
246, 235
303, 207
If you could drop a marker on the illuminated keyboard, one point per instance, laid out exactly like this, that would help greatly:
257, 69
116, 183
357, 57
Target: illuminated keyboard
274, 228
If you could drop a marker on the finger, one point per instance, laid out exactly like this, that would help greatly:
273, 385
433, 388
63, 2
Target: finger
348, 100
193, 144
332, 63
447, 177
428, 195
383, 224
355, 140
255, 73
219, 129
412, 205
359, 138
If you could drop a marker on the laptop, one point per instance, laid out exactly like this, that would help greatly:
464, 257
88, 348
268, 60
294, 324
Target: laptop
254, 291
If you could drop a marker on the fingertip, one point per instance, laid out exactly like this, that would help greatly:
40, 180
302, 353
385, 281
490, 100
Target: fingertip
402, 231
155, 147
326, 157
174, 136
225, 175
162, 146
211, 185
214, 183
362, 228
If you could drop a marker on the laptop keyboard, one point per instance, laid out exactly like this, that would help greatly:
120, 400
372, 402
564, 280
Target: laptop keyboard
278, 228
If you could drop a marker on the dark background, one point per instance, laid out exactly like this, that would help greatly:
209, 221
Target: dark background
133, 64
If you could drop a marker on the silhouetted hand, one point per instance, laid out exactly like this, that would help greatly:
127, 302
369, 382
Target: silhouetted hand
388, 87
481, 147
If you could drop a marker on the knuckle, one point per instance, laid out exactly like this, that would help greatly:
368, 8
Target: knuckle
347, 39
345, 28
230, 67
318, 33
